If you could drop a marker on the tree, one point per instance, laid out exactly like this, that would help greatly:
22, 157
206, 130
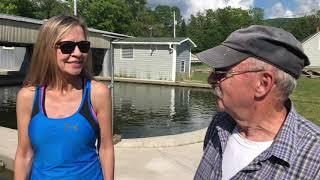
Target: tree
46, 9
164, 20
257, 15
301, 27
182, 30
136, 7
213, 27
108, 15
24, 8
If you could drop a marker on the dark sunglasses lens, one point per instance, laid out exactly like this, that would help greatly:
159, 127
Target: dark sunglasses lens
67, 47
84, 46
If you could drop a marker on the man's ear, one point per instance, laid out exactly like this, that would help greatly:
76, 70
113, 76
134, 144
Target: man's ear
265, 82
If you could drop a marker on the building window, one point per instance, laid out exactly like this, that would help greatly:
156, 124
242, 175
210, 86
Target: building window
127, 52
183, 66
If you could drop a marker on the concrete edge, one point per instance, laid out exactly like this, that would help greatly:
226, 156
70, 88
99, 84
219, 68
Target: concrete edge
155, 82
164, 141
8, 146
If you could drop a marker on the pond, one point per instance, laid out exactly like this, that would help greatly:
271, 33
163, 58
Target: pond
141, 110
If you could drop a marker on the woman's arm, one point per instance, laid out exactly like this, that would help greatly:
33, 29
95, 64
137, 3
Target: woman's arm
24, 153
101, 102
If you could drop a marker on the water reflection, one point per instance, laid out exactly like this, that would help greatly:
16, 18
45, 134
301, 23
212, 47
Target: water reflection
141, 110
8, 106
155, 110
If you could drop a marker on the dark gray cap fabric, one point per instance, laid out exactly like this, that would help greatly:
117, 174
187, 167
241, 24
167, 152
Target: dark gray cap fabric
272, 45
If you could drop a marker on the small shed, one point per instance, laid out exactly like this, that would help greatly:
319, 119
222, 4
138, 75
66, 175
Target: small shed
311, 47
195, 59
152, 58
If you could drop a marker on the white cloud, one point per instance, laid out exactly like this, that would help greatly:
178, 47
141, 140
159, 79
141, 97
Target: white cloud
188, 7
201, 5
302, 7
307, 6
278, 10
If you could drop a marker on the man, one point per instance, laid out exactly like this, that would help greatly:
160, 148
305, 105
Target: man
257, 133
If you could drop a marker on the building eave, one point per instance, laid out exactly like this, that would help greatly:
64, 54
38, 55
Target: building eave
308, 39
146, 43
188, 39
40, 22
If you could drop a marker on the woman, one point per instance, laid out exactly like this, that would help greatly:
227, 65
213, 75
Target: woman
59, 107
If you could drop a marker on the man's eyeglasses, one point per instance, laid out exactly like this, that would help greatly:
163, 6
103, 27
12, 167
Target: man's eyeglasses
218, 76
67, 47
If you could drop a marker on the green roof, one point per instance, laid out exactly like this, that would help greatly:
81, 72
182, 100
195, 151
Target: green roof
154, 40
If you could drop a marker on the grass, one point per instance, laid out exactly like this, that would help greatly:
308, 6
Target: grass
306, 96
199, 76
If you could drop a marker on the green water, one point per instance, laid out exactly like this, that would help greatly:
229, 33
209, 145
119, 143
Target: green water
6, 174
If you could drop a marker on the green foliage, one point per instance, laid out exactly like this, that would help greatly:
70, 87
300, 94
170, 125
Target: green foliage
136, 7
257, 15
301, 27
8, 7
49, 8
182, 30
163, 24
110, 15
18, 7
133, 17
211, 28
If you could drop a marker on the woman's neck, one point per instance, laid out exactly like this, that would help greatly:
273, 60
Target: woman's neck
68, 84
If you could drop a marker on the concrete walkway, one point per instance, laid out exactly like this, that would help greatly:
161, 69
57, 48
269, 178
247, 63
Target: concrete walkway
165, 157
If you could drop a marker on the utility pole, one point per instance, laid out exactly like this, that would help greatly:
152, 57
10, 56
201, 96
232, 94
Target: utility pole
75, 7
174, 24
150, 29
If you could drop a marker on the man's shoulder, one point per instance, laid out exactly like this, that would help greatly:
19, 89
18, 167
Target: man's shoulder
307, 128
223, 120
306, 131
220, 121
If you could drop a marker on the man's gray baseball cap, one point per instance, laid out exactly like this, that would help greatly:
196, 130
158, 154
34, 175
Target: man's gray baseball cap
272, 45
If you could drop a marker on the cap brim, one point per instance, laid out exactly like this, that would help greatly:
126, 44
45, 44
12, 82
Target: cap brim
221, 56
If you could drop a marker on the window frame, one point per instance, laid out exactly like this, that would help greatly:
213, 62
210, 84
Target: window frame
184, 66
121, 54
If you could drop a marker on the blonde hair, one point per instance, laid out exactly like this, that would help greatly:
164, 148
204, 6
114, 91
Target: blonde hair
43, 69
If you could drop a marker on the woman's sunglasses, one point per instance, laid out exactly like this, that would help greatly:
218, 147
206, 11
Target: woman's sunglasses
67, 47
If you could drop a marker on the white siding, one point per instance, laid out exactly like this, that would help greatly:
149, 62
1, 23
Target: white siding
12, 58
183, 54
145, 64
312, 49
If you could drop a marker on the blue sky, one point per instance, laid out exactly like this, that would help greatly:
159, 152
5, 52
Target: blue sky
272, 8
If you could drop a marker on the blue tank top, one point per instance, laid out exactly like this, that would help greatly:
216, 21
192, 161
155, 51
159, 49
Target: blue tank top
64, 148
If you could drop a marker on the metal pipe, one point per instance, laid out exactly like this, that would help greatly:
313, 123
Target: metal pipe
75, 7
111, 84
174, 24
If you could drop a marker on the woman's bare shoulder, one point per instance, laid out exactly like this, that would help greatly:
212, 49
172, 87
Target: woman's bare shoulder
26, 93
99, 88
